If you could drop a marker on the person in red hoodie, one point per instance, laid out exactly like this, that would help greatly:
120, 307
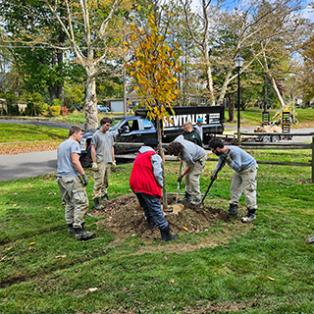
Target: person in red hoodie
146, 182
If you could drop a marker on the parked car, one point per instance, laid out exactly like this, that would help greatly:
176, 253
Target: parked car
103, 108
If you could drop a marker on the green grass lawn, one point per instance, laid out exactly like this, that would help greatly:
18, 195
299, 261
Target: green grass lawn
268, 269
79, 117
29, 133
253, 117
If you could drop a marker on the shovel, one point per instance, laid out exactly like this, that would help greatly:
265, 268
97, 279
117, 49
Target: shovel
179, 183
211, 182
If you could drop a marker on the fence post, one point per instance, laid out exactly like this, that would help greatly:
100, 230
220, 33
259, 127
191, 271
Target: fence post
312, 159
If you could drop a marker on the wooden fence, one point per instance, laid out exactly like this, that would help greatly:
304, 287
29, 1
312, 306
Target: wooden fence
254, 146
282, 146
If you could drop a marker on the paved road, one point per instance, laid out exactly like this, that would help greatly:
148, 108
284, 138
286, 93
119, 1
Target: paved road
26, 165
54, 124
40, 163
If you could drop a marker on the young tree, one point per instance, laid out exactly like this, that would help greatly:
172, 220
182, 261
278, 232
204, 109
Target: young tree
153, 67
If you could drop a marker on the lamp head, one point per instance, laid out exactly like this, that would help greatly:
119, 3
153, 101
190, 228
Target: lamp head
238, 61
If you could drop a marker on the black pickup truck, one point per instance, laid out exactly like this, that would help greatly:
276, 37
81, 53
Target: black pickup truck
137, 128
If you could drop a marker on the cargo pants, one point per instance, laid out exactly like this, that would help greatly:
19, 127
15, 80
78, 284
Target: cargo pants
244, 182
101, 177
192, 181
74, 196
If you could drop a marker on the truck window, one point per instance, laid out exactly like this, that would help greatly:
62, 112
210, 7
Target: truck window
132, 124
147, 124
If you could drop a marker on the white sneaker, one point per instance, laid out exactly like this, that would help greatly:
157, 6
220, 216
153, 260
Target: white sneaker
249, 218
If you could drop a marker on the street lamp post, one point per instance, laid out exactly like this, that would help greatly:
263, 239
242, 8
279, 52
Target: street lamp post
238, 64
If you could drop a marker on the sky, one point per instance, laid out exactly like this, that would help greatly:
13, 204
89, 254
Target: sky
307, 12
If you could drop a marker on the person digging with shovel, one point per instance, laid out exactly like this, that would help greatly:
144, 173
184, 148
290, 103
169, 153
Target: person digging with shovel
146, 182
194, 157
244, 179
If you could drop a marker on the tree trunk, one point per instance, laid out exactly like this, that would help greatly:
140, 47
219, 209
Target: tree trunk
162, 155
209, 77
224, 88
230, 109
56, 90
209, 80
90, 103
277, 91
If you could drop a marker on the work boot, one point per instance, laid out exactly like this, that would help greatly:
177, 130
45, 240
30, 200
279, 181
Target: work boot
81, 234
233, 211
249, 217
97, 203
166, 235
70, 229
186, 199
150, 223
105, 197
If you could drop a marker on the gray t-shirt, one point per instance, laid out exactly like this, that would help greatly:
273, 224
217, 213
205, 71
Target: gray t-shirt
64, 162
192, 152
237, 159
103, 143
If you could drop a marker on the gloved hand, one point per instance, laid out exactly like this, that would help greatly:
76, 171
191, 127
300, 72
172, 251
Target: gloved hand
114, 166
179, 180
94, 166
83, 179
227, 157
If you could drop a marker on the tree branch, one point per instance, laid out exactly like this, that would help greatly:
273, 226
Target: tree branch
104, 24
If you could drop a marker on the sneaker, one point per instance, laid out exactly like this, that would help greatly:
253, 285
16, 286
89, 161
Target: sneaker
249, 218
310, 240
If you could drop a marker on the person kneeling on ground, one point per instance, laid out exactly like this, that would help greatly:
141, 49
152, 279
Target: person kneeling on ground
194, 157
72, 182
146, 182
244, 179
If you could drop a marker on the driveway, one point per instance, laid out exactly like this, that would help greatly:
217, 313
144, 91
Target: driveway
13, 167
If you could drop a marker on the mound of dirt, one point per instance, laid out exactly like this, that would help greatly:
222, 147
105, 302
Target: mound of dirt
124, 216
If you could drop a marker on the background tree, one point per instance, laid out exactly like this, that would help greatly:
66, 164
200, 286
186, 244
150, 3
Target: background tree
29, 28
91, 30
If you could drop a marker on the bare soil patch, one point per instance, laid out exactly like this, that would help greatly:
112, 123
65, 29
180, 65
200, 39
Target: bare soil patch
225, 307
124, 217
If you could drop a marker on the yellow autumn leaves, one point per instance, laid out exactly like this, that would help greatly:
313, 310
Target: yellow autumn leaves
154, 67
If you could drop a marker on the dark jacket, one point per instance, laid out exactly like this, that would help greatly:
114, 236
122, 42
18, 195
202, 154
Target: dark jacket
193, 137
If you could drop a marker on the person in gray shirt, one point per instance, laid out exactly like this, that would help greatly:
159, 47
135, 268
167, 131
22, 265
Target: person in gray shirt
194, 157
103, 158
244, 179
72, 181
